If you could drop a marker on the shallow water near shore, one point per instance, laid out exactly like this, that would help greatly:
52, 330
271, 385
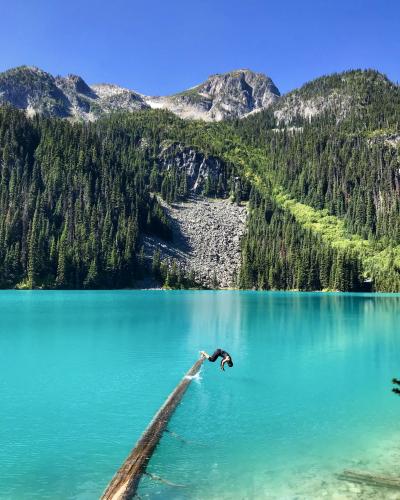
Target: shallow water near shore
82, 374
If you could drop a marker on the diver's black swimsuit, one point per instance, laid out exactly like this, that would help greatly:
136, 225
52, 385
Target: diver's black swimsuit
217, 353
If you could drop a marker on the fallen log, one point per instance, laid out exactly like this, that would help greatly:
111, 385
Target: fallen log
370, 479
124, 484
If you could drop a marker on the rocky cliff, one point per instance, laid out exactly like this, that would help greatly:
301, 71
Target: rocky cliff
197, 167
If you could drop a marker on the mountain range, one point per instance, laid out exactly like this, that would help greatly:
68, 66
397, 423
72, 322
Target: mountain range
230, 95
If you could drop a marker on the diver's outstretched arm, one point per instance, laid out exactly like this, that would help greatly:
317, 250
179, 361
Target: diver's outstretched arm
225, 360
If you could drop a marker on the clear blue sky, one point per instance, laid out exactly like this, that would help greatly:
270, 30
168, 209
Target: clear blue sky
164, 46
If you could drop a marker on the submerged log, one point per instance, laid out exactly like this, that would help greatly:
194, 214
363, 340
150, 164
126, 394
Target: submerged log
124, 484
162, 480
370, 479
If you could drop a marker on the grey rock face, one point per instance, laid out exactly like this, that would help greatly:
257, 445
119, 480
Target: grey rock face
197, 166
229, 95
206, 232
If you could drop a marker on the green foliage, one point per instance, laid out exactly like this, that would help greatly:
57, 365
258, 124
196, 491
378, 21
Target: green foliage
74, 202
280, 253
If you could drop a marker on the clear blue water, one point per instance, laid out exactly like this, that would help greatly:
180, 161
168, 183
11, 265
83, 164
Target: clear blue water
82, 373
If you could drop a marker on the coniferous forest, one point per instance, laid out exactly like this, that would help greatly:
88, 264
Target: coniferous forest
323, 194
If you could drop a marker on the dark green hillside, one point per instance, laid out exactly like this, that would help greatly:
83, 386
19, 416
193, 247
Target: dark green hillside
349, 167
73, 203
323, 195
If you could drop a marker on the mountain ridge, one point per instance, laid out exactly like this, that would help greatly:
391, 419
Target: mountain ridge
228, 95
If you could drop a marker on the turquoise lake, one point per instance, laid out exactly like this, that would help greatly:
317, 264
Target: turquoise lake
82, 374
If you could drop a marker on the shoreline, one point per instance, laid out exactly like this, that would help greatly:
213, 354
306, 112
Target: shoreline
133, 289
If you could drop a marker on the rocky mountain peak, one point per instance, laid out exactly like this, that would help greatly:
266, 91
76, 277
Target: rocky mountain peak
75, 83
228, 95
252, 90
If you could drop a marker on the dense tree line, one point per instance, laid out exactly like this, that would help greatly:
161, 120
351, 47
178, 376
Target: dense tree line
356, 178
73, 203
349, 167
277, 253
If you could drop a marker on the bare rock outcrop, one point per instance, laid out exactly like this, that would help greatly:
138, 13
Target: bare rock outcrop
197, 166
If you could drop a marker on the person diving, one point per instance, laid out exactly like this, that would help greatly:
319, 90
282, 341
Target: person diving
226, 357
